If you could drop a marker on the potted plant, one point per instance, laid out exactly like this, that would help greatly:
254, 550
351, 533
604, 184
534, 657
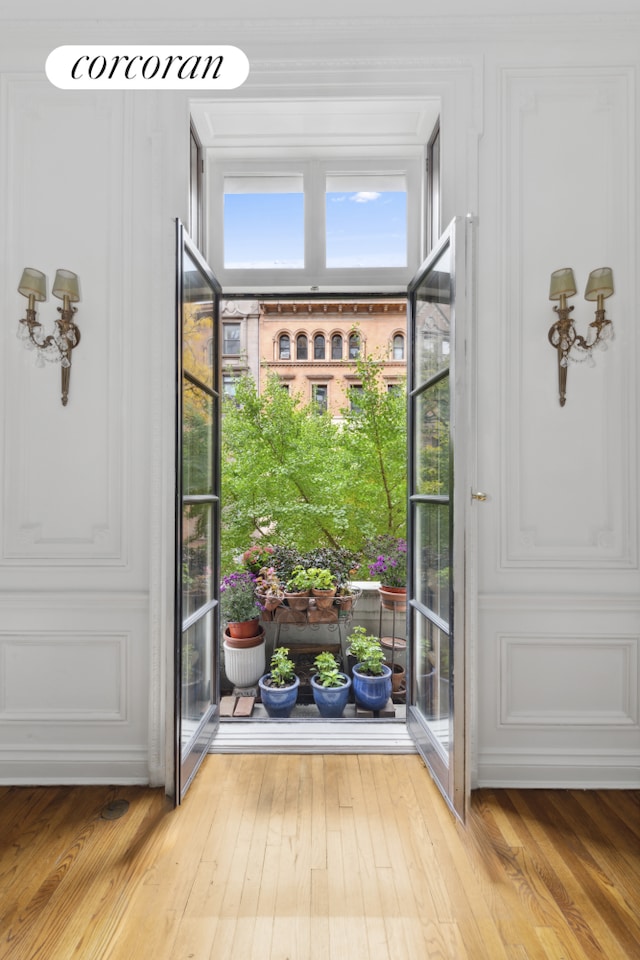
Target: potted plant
358, 643
279, 687
371, 676
269, 589
257, 557
329, 685
390, 568
323, 586
298, 589
239, 606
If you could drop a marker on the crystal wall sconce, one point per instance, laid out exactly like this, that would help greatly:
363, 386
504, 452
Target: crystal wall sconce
568, 343
57, 346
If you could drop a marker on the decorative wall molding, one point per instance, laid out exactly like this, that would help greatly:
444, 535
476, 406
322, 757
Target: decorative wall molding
569, 491
64, 468
565, 603
568, 681
71, 677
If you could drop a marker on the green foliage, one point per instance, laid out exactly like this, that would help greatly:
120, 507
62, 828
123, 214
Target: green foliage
375, 454
367, 651
321, 579
305, 483
282, 475
299, 581
282, 668
328, 670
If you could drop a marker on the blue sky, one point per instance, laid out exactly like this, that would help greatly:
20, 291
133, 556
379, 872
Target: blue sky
267, 230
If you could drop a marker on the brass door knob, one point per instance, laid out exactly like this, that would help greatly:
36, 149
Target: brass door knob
479, 495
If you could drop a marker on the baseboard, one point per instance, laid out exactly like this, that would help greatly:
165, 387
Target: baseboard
555, 769
22, 766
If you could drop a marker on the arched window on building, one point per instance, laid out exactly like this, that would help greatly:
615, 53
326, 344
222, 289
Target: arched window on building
354, 346
398, 347
336, 347
318, 347
284, 347
302, 347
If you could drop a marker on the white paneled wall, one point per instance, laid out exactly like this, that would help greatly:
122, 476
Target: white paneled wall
559, 611
74, 607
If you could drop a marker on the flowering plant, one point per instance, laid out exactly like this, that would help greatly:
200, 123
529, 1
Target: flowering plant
238, 597
390, 564
257, 556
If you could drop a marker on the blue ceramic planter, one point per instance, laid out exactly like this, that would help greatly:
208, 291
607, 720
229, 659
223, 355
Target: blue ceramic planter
331, 701
278, 701
372, 693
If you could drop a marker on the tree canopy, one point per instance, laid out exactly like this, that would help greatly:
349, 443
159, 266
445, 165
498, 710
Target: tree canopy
292, 475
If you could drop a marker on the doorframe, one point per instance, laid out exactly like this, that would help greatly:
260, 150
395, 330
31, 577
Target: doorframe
458, 81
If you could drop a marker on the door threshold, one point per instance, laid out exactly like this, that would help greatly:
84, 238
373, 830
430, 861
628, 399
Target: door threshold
313, 736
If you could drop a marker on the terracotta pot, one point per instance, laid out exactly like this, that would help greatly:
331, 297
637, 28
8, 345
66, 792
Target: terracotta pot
393, 597
398, 677
270, 603
298, 601
243, 629
324, 598
243, 643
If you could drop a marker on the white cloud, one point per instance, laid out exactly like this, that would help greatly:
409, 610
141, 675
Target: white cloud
365, 196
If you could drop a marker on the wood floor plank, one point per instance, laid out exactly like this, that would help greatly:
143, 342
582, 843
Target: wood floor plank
319, 858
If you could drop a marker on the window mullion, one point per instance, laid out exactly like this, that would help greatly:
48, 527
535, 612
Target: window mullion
314, 220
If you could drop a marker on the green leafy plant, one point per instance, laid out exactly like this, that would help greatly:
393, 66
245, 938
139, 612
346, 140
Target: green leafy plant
328, 670
299, 581
321, 579
281, 668
367, 651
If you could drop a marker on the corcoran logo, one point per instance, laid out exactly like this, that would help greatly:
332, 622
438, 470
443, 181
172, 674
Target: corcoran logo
147, 68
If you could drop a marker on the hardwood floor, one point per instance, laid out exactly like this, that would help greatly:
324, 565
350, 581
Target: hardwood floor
305, 857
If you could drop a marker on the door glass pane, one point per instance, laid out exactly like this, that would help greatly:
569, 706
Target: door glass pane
197, 453
432, 666
432, 559
196, 553
432, 422
197, 319
433, 322
197, 673
264, 222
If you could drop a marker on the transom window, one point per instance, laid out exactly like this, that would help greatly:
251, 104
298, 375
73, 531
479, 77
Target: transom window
331, 220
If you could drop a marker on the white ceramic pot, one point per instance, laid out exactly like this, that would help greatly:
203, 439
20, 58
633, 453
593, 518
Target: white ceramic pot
244, 667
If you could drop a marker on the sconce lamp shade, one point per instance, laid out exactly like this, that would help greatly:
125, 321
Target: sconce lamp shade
33, 284
66, 285
599, 284
562, 284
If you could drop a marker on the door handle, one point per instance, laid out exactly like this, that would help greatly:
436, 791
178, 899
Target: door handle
478, 495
